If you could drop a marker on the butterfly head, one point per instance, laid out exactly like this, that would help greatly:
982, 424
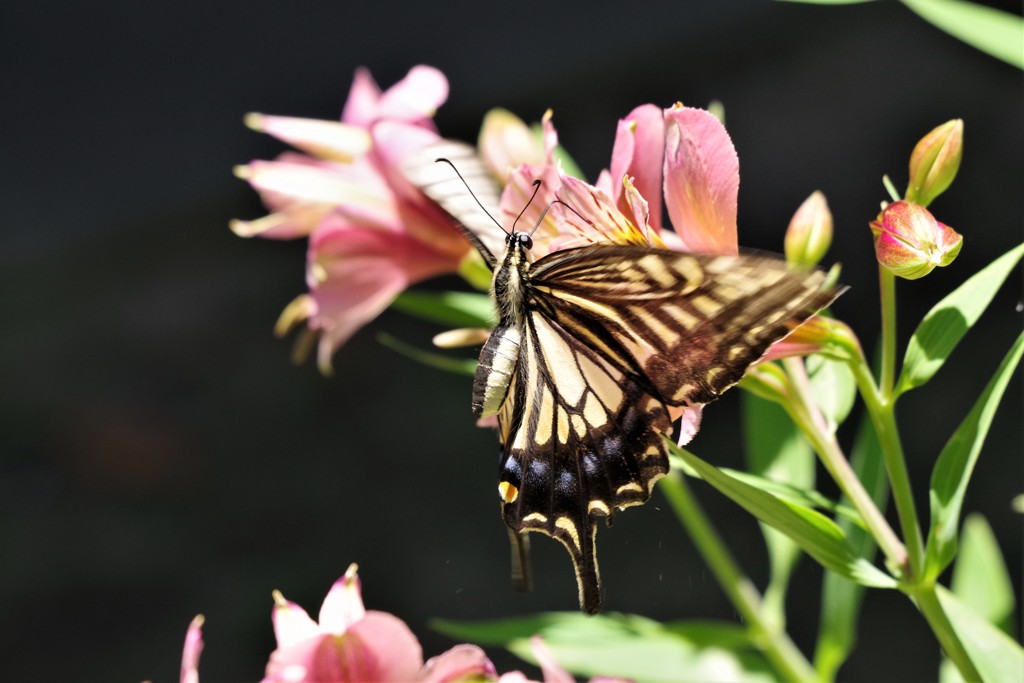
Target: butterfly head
520, 239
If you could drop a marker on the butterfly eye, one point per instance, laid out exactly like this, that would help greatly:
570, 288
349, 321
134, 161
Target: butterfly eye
525, 240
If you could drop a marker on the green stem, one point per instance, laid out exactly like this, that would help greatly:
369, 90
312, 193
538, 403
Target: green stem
887, 288
884, 420
804, 412
928, 602
880, 401
775, 643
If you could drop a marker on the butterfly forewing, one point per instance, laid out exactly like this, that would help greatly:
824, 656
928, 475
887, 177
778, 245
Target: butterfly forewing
442, 185
687, 325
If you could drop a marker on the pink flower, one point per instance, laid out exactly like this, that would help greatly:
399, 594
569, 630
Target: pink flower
348, 643
911, 243
685, 155
371, 234
681, 154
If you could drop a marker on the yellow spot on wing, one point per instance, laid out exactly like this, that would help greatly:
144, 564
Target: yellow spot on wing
656, 270
579, 425
544, 421
535, 517
569, 527
681, 316
631, 487
706, 305
563, 425
507, 492
593, 412
559, 358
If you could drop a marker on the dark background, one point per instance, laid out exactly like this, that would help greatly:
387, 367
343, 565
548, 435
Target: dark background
160, 456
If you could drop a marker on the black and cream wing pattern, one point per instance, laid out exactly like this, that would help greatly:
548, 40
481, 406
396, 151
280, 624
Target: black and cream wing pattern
595, 350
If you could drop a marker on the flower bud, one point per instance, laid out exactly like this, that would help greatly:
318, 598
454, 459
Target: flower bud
506, 142
809, 234
934, 162
910, 242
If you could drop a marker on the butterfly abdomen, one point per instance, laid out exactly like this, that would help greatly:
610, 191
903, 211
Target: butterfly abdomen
494, 372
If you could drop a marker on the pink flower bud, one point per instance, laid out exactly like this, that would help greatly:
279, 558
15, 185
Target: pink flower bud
809, 234
934, 162
910, 242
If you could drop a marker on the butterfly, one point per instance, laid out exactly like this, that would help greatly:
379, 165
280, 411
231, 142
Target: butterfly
598, 344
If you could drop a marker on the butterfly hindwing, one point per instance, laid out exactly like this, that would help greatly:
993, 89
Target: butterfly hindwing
579, 443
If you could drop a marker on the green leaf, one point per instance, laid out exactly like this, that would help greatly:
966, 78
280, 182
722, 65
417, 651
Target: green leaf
980, 577
840, 598
819, 536
956, 464
458, 309
626, 645
834, 387
943, 326
776, 450
996, 655
460, 366
990, 30
806, 497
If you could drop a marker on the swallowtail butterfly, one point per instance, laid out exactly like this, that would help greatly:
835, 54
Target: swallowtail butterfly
594, 346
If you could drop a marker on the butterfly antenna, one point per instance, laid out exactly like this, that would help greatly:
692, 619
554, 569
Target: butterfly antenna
442, 160
548, 208
536, 189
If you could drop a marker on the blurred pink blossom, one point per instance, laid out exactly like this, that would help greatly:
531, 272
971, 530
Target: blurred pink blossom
371, 234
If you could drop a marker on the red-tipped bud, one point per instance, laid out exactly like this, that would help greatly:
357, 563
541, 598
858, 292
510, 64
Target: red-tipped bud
935, 161
810, 232
911, 243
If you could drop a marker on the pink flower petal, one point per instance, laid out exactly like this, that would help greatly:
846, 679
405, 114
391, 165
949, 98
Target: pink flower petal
291, 623
361, 106
291, 223
515, 677
293, 180
701, 181
324, 139
550, 135
354, 273
601, 220
343, 605
457, 664
415, 98
636, 206
689, 425
553, 673
190, 653
390, 646
639, 153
